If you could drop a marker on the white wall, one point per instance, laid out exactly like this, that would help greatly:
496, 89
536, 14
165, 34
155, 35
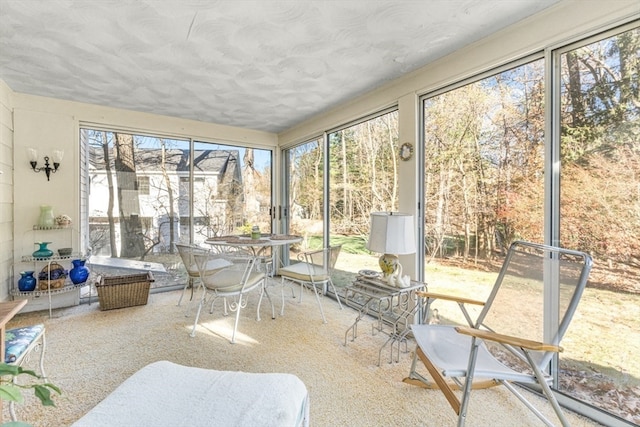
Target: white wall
6, 189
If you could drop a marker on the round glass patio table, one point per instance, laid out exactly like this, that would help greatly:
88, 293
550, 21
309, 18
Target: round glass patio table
256, 246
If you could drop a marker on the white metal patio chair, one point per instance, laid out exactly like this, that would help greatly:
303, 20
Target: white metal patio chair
314, 269
187, 253
516, 337
235, 276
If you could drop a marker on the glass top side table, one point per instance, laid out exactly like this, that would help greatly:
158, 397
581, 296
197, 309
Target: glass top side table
389, 306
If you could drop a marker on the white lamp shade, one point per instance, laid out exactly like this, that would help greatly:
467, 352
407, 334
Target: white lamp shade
32, 154
57, 156
392, 233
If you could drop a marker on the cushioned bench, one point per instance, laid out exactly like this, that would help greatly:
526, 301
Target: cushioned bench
171, 395
20, 341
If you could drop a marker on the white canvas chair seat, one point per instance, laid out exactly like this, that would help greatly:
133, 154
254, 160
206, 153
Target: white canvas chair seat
211, 267
442, 345
516, 336
313, 269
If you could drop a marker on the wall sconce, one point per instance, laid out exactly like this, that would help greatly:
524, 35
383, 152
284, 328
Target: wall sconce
32, 153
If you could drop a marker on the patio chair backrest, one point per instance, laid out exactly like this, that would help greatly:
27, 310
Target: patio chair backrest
535, 295
187, 253
323, 259
228, 271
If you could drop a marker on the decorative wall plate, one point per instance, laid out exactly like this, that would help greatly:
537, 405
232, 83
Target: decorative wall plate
406, 151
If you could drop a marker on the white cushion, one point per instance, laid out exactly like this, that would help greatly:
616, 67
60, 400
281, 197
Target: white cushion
229, 280
303, 271
164, 394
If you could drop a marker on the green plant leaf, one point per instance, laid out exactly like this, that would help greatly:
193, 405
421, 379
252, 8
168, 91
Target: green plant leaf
15, 424
44, 394
22, 371
9, 369
11, 392
53, 387
14, 370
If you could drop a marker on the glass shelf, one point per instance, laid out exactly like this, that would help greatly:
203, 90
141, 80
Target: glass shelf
47, 292
55, 227
29, 258
63, 234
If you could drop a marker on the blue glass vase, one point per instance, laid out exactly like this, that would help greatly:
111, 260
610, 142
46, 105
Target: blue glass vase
27, 282
43, 251
79, 273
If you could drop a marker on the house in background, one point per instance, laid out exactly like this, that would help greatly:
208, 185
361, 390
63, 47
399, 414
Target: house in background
162, 193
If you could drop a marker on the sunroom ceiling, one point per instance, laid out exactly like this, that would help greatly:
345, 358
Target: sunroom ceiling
258, 64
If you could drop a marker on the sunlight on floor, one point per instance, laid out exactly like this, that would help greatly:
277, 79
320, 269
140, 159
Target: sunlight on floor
222, 328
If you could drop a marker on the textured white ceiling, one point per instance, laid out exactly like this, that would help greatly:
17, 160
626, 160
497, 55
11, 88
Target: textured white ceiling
263, 64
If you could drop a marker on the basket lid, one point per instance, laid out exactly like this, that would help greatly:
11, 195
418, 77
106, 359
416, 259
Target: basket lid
52, 266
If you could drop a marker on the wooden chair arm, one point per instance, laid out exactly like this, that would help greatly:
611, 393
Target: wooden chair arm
507, 339
432, 295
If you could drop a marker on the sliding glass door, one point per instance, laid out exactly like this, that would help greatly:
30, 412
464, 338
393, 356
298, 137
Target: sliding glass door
232, 190
334, 183
363, 164
303, 210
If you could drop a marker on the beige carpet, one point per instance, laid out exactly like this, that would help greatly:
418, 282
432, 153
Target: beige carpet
90, 352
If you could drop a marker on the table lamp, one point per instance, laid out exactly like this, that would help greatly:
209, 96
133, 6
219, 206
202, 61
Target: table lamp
391, 234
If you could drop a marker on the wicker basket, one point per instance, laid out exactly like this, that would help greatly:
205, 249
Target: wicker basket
46, 284
123, 291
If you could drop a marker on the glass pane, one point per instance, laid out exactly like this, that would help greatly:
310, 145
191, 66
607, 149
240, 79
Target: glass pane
305, 176
483, 181
363, 165
136, 202
232, 190
600, 214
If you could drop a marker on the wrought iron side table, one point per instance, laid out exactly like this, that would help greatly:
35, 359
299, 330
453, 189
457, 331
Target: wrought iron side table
392, 308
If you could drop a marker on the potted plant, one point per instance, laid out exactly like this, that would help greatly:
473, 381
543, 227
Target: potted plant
12, 392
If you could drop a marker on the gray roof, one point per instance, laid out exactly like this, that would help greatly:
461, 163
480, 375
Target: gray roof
149, 160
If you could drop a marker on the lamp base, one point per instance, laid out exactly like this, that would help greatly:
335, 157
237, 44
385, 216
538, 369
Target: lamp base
388, 264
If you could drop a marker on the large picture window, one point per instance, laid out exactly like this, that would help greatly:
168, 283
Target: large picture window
484, 165
600, 213
492, 176
147, 193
